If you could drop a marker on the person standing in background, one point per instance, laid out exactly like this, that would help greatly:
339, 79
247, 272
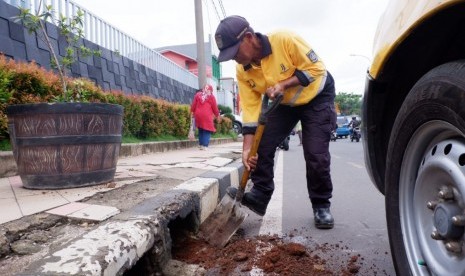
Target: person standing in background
204, 109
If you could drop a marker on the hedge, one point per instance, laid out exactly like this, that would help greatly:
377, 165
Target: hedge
144, 117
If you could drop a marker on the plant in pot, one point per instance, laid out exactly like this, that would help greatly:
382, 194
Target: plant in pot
70, 142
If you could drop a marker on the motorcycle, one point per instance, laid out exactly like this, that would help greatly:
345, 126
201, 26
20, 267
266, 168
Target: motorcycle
333, 136
284, 145
355, 134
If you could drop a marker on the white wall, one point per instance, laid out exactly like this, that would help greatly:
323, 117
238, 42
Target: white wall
226, 93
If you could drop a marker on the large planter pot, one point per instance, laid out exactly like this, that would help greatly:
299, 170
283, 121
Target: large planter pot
65, 145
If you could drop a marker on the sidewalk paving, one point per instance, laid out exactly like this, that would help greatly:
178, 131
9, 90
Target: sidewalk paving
17, 202
178, 172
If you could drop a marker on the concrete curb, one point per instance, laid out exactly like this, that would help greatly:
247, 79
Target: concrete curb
8, 164
151, 147
141, 237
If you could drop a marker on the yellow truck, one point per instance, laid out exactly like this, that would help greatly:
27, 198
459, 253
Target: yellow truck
414, 133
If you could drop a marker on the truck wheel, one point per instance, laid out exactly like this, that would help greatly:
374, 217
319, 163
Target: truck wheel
425, 176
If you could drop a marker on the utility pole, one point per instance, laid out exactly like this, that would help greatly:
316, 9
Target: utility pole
201, 70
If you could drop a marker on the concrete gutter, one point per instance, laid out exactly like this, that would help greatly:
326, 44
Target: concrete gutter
141, 235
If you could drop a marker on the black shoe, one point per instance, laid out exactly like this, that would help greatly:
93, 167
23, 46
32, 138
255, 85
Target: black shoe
250, 201
323, 218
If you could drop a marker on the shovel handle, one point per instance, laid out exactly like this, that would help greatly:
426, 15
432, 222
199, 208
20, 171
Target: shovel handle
253, 151
258, 136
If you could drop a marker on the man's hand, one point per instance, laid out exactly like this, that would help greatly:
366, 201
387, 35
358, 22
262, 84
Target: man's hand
250, 163
279, 88
273, 91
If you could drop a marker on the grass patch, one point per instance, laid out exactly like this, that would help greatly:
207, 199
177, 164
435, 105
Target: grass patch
6, 146
167, 138
230, 135
133, 140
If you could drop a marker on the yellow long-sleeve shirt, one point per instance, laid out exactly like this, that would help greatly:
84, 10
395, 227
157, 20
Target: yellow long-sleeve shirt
284, 54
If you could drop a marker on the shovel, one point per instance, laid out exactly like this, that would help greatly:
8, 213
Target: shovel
218, 228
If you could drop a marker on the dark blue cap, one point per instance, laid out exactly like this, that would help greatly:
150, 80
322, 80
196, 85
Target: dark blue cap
228, 36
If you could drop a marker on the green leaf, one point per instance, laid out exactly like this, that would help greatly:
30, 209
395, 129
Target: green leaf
71, 28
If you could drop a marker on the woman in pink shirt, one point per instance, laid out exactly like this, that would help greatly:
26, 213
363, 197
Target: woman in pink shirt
204, 108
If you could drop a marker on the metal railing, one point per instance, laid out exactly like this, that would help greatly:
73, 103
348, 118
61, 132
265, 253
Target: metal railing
101, 33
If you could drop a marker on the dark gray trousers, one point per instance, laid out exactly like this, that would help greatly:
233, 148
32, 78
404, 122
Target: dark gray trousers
318, 120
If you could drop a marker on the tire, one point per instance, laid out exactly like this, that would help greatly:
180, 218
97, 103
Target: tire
427, 152
237, 127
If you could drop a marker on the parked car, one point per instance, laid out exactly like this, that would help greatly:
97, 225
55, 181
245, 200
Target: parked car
236, 121
237, 124
414, 133
343, 131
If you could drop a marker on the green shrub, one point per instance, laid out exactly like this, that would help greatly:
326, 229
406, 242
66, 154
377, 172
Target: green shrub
5, 96
132, 119
224, 127
144, 117
182, 121
229, 116
224, 109
227, 113
152, 119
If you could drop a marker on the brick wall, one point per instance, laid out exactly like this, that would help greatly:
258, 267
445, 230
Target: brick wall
110, 70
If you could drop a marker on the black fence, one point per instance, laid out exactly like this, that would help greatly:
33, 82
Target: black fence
110, 70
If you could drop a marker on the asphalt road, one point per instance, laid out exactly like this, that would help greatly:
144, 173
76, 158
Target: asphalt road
358, 208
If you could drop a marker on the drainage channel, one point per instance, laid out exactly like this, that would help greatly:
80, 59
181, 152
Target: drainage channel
155, 262
259, 255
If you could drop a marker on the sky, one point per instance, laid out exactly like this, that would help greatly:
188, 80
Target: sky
340, 31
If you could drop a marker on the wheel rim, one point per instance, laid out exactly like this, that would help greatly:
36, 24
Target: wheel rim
236, 128
431, 191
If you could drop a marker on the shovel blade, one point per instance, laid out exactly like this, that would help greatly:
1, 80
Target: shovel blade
218, 228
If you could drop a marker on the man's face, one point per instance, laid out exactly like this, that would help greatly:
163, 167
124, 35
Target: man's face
245, 53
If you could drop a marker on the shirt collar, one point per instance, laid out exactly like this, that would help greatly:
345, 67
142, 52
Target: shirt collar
266, 48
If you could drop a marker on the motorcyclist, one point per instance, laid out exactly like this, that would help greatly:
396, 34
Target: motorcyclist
354, 123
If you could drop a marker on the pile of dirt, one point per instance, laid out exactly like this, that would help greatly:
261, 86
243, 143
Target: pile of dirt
269, 255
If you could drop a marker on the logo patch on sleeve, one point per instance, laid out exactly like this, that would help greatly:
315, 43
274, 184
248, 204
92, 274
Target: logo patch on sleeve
312, 56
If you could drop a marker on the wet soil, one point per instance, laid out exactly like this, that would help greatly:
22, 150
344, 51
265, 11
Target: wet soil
264, 255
